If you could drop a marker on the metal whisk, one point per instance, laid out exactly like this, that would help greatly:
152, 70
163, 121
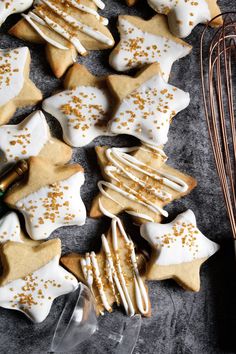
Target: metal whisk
218, 70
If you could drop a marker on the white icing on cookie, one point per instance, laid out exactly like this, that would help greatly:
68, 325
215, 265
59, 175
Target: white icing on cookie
55, 205
9, 7
47, 13
145, 189
23, 140
12, 65
178, 242
138, 48
10, 228
183, 15
146, 112
89, 10
82, 113
33, 20
33, 295
114, 271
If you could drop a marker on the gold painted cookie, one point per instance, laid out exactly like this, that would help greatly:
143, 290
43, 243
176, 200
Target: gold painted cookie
16, 88
146, 42
67, 28
31, 137
137, 180
32, 278
83, 109
49, 198
179, 250
112, 274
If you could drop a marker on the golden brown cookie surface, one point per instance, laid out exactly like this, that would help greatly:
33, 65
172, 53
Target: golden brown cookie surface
144, 42
32, 278
83, 108
183, 15
138, 181
145, 105
67, 28
179, 250
49, 198
112, 274
31, 137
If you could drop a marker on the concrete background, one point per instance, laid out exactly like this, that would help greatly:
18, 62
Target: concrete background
181, 322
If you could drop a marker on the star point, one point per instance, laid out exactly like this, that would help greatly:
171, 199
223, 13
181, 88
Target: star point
8, 8
10, 229
184, 15
18, 142
16, 88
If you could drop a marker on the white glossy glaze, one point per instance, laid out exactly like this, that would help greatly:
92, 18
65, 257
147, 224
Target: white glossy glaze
34, 294
178, 242
53, 206
137, 48
82, 113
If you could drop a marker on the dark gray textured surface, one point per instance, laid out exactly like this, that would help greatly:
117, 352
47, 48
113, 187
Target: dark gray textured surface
181, 322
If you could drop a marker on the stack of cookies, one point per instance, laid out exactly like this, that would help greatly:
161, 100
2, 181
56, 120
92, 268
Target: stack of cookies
136, 180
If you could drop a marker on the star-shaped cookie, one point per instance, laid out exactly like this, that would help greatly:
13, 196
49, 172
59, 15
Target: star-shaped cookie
113, 274
16, 89
146, 105
9, 7
184, 15
66, 28
31, 137
83, 109
138, 181
49, 198
32, 278
145, 42
179, 249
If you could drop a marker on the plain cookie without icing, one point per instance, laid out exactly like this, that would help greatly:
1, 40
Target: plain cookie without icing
179, 249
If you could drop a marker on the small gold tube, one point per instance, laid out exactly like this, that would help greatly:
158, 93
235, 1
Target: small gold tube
13, 175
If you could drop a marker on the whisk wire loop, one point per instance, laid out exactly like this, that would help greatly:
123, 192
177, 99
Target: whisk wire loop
218, 65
